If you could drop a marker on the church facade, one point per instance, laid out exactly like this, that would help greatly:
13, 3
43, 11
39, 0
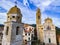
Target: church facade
46, 32
13, 28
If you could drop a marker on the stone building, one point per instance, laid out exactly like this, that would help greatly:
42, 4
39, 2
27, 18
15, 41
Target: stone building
49, 32
1, 33
13, 28
46, 32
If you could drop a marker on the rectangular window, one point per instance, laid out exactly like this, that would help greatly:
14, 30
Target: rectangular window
29, 38
29, 34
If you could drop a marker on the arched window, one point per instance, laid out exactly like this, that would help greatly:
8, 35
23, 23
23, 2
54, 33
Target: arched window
48, 28
7, 30
17, 30
38, 17
49, 40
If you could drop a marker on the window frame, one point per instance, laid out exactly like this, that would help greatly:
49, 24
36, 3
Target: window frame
7, 30
49, 40
17, 30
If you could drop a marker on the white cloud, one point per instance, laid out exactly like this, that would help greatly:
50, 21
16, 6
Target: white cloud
25, 2
3, 18
27, 13
56, 21
29, 16
56, 2
6, 4
42, 4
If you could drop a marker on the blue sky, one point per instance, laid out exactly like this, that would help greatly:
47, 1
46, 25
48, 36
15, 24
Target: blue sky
49, 8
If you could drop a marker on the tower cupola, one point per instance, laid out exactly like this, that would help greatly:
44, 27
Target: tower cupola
14, 14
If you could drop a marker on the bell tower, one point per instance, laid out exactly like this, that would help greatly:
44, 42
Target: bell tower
39, 26
38, 16
14, 15
13, 29
38, 22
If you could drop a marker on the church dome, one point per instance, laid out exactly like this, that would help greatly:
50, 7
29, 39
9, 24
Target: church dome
14, 10
48, 19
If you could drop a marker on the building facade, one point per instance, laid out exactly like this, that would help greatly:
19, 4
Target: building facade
13, 28
28, 34
1, 33
49, 32
46, 32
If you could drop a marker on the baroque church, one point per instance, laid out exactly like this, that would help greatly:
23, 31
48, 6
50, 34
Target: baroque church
46, 32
